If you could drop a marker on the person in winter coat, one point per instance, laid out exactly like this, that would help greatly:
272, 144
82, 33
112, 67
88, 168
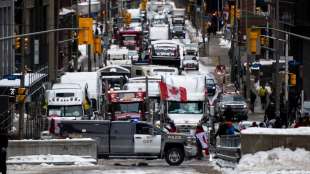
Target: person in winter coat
3, 147
202, 142
252, 100
262, 92
230, 129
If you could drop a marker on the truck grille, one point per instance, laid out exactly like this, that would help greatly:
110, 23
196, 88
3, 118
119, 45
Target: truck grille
185, 128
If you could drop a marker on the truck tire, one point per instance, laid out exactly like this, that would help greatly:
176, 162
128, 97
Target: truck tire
174, 156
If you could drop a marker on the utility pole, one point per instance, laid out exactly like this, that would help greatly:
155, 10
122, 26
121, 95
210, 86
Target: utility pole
248, 78
21, 105
89, 46
276, 55
75, 60
51, 42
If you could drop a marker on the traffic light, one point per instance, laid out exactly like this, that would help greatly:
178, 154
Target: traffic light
292, 79
253, 41
127, 18
143, 5
86, 34
17, 43
97, 47
263, 40
238, 13
21, 95
26, 43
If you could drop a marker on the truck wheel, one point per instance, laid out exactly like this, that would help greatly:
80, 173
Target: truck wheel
174, 156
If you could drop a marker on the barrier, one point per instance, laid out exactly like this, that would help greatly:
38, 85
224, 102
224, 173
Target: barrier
263, 139
229, 148
77, 147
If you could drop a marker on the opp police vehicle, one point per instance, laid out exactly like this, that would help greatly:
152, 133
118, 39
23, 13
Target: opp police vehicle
131, 139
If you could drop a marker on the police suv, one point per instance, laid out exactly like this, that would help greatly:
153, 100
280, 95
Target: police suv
131, 139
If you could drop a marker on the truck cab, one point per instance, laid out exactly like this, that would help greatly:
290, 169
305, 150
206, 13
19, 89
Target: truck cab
126, 105
130, 38
118, 56
131, 139
166, 52
66, 101
191, 57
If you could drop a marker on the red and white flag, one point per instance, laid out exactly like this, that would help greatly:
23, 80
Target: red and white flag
168, 92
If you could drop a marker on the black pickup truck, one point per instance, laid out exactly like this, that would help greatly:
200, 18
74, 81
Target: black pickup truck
129, 139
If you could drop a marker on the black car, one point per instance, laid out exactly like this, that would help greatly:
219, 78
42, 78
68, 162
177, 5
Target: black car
236, 103
178, 31
211, 87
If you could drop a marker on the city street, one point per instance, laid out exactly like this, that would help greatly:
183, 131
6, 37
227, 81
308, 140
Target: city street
120, 167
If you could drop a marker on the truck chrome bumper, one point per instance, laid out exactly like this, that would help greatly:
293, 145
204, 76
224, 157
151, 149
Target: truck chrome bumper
190, 151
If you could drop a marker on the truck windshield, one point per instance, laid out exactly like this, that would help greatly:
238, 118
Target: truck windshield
127, 107
185, 107
65, 111
129, 37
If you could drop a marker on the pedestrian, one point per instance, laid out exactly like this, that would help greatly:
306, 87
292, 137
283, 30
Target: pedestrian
262, 92
3, 149
202, 142
228, 113
252, 100
254, 124
270, 112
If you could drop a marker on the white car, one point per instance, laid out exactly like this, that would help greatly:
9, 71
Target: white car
133, 55
190, 62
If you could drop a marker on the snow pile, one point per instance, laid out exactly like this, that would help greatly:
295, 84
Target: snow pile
270, 131
275, 161
224, 43
51, 159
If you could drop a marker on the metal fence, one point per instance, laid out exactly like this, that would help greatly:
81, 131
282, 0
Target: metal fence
228, 148
229, 141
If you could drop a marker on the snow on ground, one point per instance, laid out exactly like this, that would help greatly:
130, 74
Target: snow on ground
51, 159
270, 131
275, 161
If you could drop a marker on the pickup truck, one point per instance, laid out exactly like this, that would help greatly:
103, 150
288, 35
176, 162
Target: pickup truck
131, 139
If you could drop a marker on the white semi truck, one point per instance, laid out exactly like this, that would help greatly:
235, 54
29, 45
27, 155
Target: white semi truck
91, 82
118, 56
184, 100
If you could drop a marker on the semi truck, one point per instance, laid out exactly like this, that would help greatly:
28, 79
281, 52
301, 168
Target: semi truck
92, 82
126, 105
131, 140
130, 38
67, 101
185, 100
118, 56
166, 52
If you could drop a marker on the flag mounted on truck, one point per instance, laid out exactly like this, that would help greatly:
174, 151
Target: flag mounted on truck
168, 92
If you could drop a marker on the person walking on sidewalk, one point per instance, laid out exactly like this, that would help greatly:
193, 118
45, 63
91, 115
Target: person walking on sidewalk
252, 100
262, 92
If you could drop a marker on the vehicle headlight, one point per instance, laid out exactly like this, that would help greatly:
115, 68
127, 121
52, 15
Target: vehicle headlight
244, 106
213, 87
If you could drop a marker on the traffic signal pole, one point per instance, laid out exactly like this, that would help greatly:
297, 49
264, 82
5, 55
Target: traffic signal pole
89, 46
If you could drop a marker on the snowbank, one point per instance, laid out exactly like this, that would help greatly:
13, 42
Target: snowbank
51, 159
275, 161
270, 131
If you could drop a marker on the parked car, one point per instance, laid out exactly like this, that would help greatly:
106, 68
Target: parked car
237, 104
211, 87
190, 62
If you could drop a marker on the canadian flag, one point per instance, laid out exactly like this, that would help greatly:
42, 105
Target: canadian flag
168, 92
